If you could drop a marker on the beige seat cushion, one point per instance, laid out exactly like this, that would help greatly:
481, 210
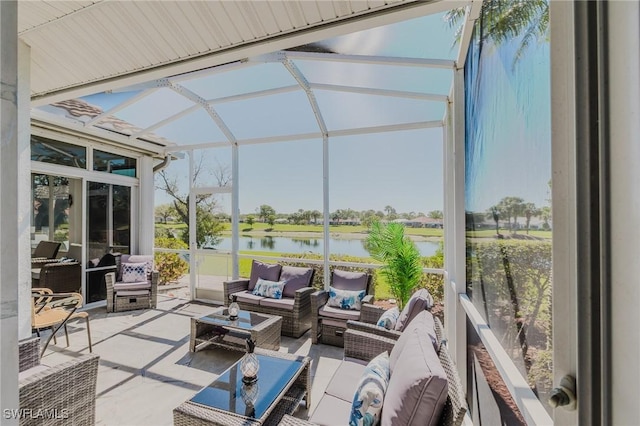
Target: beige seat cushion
248, 297
286, 303
344, 381
331, 411
343, 314
141, 285
130, 293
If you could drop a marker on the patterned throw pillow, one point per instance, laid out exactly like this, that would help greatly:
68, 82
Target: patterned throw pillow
389, 318
271, 289
367, 402
345, 299
134, 272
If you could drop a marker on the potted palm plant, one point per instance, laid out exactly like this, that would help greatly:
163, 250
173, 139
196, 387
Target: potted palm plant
402, 267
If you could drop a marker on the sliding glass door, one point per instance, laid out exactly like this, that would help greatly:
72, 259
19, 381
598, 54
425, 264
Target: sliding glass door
108, 233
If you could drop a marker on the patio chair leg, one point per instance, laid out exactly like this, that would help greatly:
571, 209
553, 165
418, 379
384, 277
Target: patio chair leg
53, 334
89, 334
66, 333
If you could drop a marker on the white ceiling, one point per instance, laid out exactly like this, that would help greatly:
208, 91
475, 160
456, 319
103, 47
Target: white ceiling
83, 47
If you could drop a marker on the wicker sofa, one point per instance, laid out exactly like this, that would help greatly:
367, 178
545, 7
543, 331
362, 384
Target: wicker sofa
295, 305
423, 389
66, 390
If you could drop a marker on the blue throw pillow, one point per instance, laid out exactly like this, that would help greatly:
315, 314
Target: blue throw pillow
369, 396
345, 299
271, 289
389, 318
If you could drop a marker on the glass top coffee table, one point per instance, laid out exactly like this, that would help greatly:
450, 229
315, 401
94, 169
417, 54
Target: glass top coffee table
217, 329
283, 382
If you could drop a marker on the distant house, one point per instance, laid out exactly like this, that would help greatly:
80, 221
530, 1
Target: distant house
424, 222
354, 221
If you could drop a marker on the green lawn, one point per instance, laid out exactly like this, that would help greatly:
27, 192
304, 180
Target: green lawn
491, 233
219, 265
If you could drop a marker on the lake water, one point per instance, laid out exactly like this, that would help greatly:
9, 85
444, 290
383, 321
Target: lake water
351, 247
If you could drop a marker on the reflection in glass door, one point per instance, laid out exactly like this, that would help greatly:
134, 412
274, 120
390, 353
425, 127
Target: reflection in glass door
108, 233
55, 217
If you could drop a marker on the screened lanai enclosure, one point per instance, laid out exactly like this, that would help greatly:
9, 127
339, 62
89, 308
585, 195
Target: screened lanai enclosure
399, 111
323, 128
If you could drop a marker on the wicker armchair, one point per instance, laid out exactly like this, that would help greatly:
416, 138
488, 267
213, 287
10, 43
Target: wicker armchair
420, 300
67, 389
365, 346
61, 277
127, 296
328, 324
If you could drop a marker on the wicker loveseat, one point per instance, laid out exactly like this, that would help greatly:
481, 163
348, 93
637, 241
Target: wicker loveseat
295, 305
423, 387
66, 391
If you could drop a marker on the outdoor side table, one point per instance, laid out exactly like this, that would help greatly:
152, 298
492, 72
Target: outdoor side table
218, 330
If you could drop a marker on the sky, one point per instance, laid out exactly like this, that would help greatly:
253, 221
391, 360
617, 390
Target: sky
401, 169
511, 153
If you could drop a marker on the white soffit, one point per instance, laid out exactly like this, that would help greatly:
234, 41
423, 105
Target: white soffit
78, 48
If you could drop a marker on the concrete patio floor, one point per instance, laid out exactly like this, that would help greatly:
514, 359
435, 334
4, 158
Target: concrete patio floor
146, 369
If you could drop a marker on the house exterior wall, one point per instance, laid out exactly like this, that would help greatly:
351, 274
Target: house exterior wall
24, 191
624, 104
8, 208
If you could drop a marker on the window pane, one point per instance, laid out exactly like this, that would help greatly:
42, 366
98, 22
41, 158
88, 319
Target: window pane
114, 163
508, 182
56, 152
121, 239
387, 177
55, 217
281, 200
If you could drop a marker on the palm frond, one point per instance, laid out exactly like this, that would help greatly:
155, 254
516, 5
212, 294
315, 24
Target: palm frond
454, 16
534, 32
402, 264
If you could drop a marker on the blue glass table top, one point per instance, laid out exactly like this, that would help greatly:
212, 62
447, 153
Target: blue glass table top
228, 392
246, 320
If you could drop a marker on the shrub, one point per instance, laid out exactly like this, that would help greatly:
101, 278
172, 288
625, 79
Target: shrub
510, 280
434, 283
171, 266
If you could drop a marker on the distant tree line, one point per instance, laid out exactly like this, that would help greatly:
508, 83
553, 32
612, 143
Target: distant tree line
267, 214
507, 212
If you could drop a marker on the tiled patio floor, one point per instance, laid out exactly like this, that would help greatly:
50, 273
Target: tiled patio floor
146, 369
